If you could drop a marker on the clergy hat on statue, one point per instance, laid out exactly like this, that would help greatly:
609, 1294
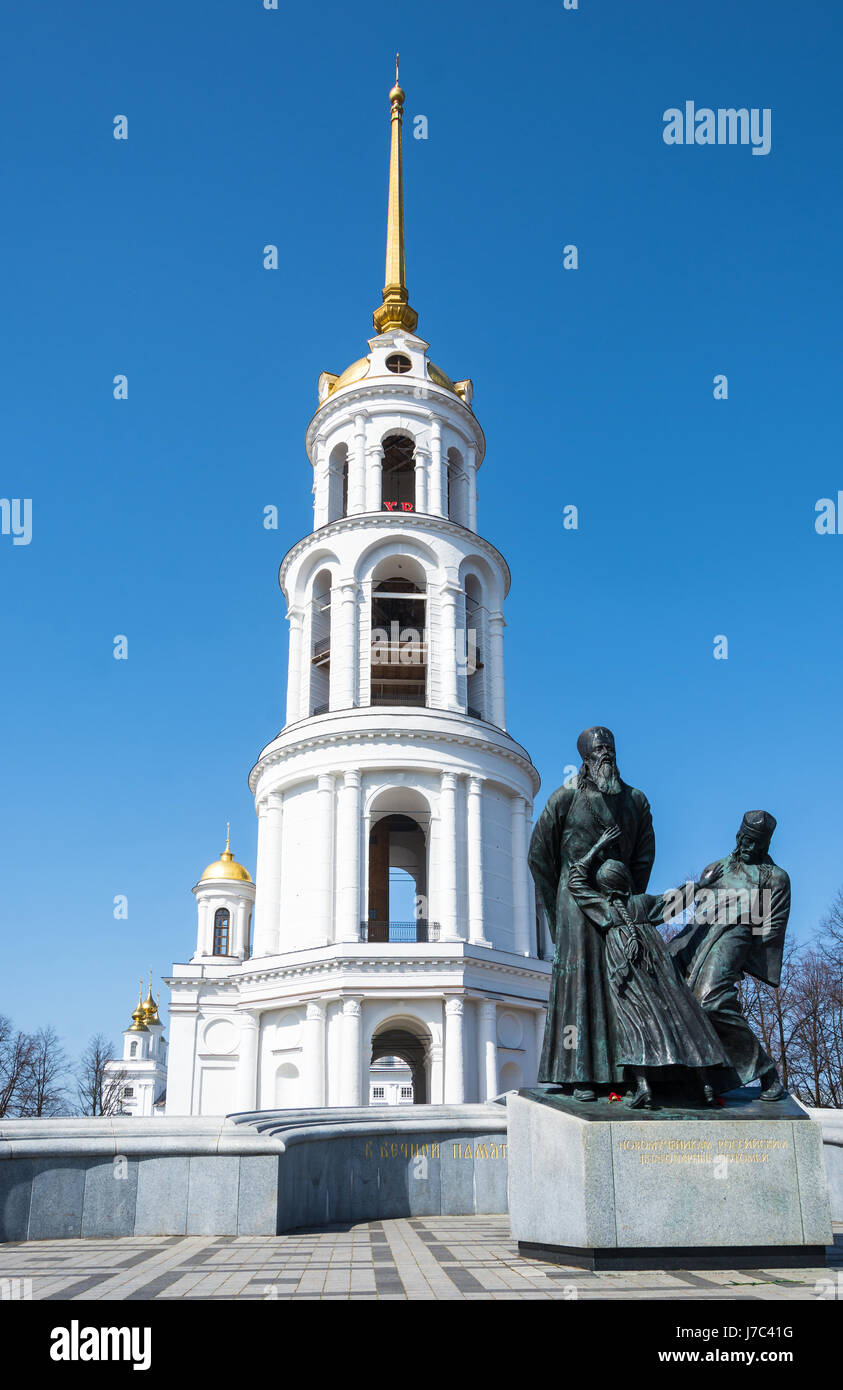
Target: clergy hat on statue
589, 737
759, 824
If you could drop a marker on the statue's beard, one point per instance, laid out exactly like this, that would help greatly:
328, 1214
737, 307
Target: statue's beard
606, 776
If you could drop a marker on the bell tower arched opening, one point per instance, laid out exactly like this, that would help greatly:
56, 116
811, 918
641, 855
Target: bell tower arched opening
398, 489
398, 635
398, 1040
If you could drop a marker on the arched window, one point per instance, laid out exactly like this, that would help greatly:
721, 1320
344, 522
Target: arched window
475, 618
457, 508
222, 922
133, 1051
338, 483
320, 644
398, 489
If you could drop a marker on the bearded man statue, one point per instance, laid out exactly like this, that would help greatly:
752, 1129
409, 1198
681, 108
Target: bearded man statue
580, 1038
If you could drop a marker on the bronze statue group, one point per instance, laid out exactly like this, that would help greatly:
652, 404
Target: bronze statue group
629, 1012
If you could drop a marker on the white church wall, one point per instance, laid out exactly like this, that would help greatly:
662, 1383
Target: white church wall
302, 888
216, 1088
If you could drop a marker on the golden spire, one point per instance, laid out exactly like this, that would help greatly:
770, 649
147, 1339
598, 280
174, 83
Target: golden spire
395, 311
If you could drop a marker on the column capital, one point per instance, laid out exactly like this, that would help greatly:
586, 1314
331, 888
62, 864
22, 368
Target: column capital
249, 1019
325, 782
295, 616
449, 781
315, 1011
488, 1009
475, 784
352, 777
496, 617
453, 1005
351, 1006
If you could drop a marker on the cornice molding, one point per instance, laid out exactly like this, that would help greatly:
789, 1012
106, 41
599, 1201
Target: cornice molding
356, 396
398, 521
375, 965
361, 730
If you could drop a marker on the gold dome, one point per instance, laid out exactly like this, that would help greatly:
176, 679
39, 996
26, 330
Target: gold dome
355, 372
438, 377
150, 1007
138, 1024
359, 369
227, 867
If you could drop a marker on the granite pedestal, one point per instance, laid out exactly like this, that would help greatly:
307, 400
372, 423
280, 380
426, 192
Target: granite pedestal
601, 1186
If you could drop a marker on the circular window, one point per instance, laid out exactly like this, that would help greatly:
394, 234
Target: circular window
397, 362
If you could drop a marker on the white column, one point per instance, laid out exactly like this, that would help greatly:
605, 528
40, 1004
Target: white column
322, 926
240, 928
313, 1054
357, 468
247, 1063
422, 472
435, 496
497, 689
448, 857
351, 1074
267, 930
321, 483
471, 487
520, 897
294, 664
181, 1062
203, 934
348, 858
475, 861
487, 1048
374, 472
454, 1075
449, 594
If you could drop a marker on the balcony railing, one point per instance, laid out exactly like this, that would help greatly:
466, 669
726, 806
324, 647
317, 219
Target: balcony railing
398, 697
400, 932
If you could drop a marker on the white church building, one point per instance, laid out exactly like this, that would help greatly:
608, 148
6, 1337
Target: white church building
392, 915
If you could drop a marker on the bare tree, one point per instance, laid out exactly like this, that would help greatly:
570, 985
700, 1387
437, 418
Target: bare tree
97, 1093
15, 1058
43, 1091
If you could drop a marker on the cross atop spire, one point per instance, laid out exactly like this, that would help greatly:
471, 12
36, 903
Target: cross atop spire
395, 311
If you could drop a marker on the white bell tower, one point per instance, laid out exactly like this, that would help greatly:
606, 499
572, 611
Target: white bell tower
394, 912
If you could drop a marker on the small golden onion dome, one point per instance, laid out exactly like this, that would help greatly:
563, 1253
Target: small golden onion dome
227, 867
150, 1008
397, 94
139, 1017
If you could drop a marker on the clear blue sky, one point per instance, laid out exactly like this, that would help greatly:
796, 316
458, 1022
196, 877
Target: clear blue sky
594, 388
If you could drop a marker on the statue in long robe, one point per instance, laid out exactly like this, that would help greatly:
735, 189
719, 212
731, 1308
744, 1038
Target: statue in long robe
739, 928
580, 1038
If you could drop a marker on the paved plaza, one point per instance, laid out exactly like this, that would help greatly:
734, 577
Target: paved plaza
442, 1257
